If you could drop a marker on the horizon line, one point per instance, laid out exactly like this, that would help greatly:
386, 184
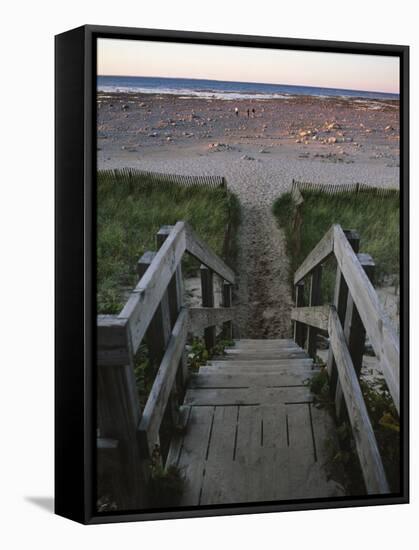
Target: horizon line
251, 82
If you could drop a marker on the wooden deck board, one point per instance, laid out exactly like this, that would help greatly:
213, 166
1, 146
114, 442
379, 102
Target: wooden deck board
218, 379
217, 486
247, 441
248, 396
192, 458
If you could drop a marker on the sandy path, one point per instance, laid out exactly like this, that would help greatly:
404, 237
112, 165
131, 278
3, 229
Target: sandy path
263, 295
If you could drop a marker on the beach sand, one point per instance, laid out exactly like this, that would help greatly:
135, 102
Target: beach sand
324, 140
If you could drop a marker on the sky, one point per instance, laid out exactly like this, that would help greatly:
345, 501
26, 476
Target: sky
300, 68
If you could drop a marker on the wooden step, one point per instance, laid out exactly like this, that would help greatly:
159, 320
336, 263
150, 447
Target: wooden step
219, 379
257, 363
248, 396
264, 345
262, 355
259, 370
278, 342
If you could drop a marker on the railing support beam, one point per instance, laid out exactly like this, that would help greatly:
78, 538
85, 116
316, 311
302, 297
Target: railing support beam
315, 300
299, 328
340, 302
207, 288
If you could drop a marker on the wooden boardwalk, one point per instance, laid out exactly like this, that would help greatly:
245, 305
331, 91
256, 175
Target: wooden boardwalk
252, 432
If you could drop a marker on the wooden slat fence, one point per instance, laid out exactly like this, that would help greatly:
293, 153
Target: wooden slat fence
131, 177
335, 189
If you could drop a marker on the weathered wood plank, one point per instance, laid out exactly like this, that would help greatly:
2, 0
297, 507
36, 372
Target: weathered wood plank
232, 355
217, 379
273, 464
148, 293
217, 487
256, 364
340, 300
201, 317
302, 372
315, 316
380, 331
285, 342
366, 444
248, 453
173, 290
192, 458
207, 293
159, 329
118, 416
197, 248
163, 384
112, 341
227, 303
299, 328
170, 307
301, 450
314, 300
176, 442
354, 331
248, 396
320, 252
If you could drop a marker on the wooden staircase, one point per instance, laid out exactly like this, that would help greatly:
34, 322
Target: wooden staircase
246, 427
252, 432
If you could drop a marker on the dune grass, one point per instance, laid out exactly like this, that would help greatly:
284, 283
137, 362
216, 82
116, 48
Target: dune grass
377, 220
129, 216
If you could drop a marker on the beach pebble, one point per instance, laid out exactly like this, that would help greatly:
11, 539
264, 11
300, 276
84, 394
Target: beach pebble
125, 107
333, 126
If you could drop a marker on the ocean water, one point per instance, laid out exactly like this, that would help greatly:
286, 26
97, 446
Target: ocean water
217, 89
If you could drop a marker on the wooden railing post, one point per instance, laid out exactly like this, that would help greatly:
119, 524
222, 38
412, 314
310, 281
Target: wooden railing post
299, 328
314, 300
340, 302
174, 296
207, 288
354, 332
158, 332
118, 417
227, 302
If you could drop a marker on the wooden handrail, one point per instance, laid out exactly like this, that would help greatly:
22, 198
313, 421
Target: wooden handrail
381, 333
154, 312
197, 248
147, 295
203, 317
363, 433
313, 316
361, 312
160, 392
320, 252
379, 329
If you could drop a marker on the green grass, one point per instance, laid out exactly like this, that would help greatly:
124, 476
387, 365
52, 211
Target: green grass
375, 218
129, 214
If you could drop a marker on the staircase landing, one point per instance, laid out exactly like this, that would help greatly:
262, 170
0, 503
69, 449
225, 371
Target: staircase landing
252, 430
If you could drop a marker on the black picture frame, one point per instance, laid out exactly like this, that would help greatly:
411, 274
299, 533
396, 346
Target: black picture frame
75, 154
